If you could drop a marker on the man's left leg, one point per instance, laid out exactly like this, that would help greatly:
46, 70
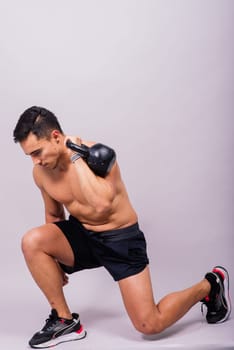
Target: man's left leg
150, 318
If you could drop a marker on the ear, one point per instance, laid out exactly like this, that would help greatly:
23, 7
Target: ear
56, 135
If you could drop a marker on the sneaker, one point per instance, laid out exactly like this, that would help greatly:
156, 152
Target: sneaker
218, 302
58, 330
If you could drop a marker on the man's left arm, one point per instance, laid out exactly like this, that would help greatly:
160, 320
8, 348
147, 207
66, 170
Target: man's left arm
98, 191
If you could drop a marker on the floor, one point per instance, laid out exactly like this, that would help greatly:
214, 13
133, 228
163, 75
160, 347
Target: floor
104, 318
110, 330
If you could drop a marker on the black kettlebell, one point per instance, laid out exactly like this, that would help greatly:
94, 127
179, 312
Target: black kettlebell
100, 158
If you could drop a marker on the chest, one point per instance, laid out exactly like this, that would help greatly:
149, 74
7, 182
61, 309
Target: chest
64, 187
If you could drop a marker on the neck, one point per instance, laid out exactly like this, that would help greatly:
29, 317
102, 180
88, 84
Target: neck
64, 157
63, 162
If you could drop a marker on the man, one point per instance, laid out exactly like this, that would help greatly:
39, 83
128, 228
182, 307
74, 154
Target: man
102, 230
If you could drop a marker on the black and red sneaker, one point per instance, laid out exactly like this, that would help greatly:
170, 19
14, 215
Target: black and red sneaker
218, 302
58, 330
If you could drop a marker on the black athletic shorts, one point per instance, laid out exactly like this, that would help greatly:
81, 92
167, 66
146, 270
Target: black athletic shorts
122, 252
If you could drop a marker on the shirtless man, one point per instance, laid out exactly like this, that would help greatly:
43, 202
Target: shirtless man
102, 230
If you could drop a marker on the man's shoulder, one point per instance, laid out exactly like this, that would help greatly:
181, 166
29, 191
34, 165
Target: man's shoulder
88, 143
37, 175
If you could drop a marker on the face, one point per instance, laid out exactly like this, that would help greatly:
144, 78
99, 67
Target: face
44, 152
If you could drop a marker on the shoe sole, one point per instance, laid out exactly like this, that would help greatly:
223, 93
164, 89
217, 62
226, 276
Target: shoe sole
224, 273
73, 336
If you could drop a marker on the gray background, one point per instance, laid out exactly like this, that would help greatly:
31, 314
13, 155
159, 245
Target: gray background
154, 80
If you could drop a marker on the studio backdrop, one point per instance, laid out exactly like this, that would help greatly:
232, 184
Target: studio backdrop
151, 79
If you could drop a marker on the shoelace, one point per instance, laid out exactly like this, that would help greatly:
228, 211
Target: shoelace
202, 308
213, 305
50, 322
207, 303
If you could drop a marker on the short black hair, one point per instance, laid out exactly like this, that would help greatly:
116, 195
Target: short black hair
38, 120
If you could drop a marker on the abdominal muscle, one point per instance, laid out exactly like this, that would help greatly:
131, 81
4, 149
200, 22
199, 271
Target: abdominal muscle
119, 215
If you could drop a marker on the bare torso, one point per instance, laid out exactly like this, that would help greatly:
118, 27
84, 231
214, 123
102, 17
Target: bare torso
64, 187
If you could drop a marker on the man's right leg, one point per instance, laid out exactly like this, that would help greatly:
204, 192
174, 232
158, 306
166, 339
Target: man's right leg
42, 248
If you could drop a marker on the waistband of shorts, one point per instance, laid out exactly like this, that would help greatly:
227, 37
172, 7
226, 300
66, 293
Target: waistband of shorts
112, 235
117, 234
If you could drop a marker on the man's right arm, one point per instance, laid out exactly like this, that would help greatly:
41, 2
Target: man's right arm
54, 211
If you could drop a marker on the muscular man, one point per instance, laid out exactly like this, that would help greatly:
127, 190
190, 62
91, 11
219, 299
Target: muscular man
102, 230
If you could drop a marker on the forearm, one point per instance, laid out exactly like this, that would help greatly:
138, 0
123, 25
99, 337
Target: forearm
50, 217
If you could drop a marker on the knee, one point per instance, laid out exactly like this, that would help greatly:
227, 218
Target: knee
31, 241
149, 326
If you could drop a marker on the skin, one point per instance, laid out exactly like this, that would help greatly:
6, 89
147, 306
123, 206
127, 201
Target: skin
100, 204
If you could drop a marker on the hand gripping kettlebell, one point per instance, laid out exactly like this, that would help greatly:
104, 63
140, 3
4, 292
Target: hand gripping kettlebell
100, 158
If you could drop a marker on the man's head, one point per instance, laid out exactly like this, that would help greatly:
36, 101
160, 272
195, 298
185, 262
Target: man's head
38, 121
40, 136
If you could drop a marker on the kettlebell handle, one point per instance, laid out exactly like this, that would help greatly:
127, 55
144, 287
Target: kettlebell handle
82, 150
